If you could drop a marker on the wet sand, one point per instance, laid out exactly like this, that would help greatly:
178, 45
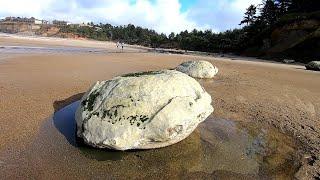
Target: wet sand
281, 102
14, 44
209, 152
12, 40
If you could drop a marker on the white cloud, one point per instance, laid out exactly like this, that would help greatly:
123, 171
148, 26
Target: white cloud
220, 14
23, 8
242, 5
161, 15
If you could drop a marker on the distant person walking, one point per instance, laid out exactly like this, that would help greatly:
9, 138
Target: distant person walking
122, 44
118, 44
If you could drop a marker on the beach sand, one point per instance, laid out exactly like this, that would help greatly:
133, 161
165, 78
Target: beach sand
35, 86
11, 39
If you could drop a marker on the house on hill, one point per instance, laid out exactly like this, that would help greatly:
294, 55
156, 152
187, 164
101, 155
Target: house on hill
59, 23
18, 24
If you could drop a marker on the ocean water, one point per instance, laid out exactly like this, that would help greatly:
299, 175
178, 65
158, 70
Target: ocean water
47, 50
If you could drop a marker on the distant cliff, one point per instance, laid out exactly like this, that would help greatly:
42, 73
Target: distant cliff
296, 36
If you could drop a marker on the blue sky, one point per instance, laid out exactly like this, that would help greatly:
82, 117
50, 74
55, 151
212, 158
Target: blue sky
187, 4
162, 15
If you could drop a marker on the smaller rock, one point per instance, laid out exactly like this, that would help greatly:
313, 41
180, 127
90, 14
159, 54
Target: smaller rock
288, 61
313, 65
198, 69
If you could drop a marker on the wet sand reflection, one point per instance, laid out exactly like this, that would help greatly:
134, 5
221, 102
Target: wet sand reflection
218, 148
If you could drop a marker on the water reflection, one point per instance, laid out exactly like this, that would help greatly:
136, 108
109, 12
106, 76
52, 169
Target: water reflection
34, 49
218, 148
64, 121
62, 50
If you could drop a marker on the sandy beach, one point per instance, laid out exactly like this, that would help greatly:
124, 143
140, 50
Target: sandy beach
284, 99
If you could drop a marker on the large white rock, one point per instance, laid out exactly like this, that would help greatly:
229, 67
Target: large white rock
198, 69
313, 65
142, 110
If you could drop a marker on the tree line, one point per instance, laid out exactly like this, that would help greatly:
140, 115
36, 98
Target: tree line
257, 25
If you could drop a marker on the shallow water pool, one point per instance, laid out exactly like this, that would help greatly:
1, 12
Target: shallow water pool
219, 148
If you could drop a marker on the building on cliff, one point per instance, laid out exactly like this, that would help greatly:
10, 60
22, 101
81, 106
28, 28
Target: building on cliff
18, 24
59, 23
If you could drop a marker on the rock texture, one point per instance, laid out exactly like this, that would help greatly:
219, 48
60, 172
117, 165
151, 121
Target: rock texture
288, 61
198, 69
142, 110
313, 65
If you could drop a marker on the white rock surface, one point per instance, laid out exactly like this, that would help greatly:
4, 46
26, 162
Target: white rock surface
313, 65
142, 110
198, 69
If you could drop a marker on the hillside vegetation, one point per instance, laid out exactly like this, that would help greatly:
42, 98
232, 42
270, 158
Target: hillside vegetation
275, 29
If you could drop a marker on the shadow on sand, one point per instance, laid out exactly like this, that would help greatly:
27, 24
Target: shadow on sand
59, 104
64, 121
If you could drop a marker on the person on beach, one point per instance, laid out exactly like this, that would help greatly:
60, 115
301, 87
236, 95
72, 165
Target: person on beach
122, 44
118, 44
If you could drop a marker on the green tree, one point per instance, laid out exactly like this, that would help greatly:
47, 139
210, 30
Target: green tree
250, 15
283, 5
269, 12
304, 6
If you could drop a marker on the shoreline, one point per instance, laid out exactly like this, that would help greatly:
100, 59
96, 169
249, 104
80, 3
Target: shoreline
57, 41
